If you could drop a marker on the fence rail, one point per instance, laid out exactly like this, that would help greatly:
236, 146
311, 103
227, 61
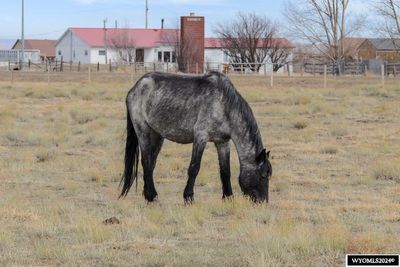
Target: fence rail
270, 80
289, 68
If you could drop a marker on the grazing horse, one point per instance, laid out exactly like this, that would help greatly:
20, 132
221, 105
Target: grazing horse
193, 109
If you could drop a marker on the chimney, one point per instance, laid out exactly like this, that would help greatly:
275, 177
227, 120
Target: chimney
192, 36
162, 23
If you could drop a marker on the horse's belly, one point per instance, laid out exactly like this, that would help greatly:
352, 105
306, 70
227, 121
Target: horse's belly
174, 132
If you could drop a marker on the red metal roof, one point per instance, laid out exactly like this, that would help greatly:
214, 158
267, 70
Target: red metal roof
218, 43
142, 38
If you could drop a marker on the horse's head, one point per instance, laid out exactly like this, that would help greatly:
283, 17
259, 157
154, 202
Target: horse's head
254, 178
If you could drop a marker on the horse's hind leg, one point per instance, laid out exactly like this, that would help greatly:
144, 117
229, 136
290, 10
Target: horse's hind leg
223, 150
150, 145
199, 145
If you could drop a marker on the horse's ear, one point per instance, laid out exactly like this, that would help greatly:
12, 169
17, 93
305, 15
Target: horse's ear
262, 157
268, 154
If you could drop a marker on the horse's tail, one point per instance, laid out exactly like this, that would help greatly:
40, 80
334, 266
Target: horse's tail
131, 157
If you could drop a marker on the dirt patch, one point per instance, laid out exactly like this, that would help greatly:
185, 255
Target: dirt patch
112, 220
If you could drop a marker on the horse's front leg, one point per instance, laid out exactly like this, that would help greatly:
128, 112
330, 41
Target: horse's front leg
199, 145
223, 150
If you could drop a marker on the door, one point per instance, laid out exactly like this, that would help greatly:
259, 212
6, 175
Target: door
139, 55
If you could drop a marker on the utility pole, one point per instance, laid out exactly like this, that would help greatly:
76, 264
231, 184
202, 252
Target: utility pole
146, 14
105, 39
22, 59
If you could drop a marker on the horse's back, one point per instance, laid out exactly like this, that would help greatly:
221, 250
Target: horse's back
178, 106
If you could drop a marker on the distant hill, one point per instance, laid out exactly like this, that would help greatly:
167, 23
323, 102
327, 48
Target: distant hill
6, 43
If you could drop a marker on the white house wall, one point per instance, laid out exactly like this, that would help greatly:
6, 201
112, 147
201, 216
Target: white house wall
73, 49
215, 57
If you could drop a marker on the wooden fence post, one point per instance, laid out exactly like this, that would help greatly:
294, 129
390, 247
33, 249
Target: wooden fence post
154, 66
62, 64
98, 66
48, 75
272, 76
79, 66
89, 74
383, 74
109, 64
313, 68
132, 73
12, 76
265, 69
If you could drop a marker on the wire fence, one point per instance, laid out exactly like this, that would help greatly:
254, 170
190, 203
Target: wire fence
69, 72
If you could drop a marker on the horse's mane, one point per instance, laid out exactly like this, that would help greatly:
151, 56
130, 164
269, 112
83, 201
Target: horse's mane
237, 103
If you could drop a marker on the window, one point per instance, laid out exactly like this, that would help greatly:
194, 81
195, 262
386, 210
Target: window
102, 52
86, 52
59, 52
159, 56
173, 57
167, 56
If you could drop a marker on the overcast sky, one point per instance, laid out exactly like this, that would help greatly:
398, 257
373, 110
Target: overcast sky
50, 18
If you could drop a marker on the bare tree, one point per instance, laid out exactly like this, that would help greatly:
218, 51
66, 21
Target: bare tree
185, 50
124, 44
247, 39
389, 11
279, 53
323, 23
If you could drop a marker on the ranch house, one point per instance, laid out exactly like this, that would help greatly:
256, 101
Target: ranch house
99, 45
115, 45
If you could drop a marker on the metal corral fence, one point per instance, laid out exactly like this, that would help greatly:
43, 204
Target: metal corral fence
366, 67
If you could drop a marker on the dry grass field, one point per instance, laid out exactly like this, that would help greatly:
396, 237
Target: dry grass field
335, 188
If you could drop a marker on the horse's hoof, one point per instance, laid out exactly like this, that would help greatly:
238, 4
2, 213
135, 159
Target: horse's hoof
150, 197
227, 198
188, 199
154, 200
